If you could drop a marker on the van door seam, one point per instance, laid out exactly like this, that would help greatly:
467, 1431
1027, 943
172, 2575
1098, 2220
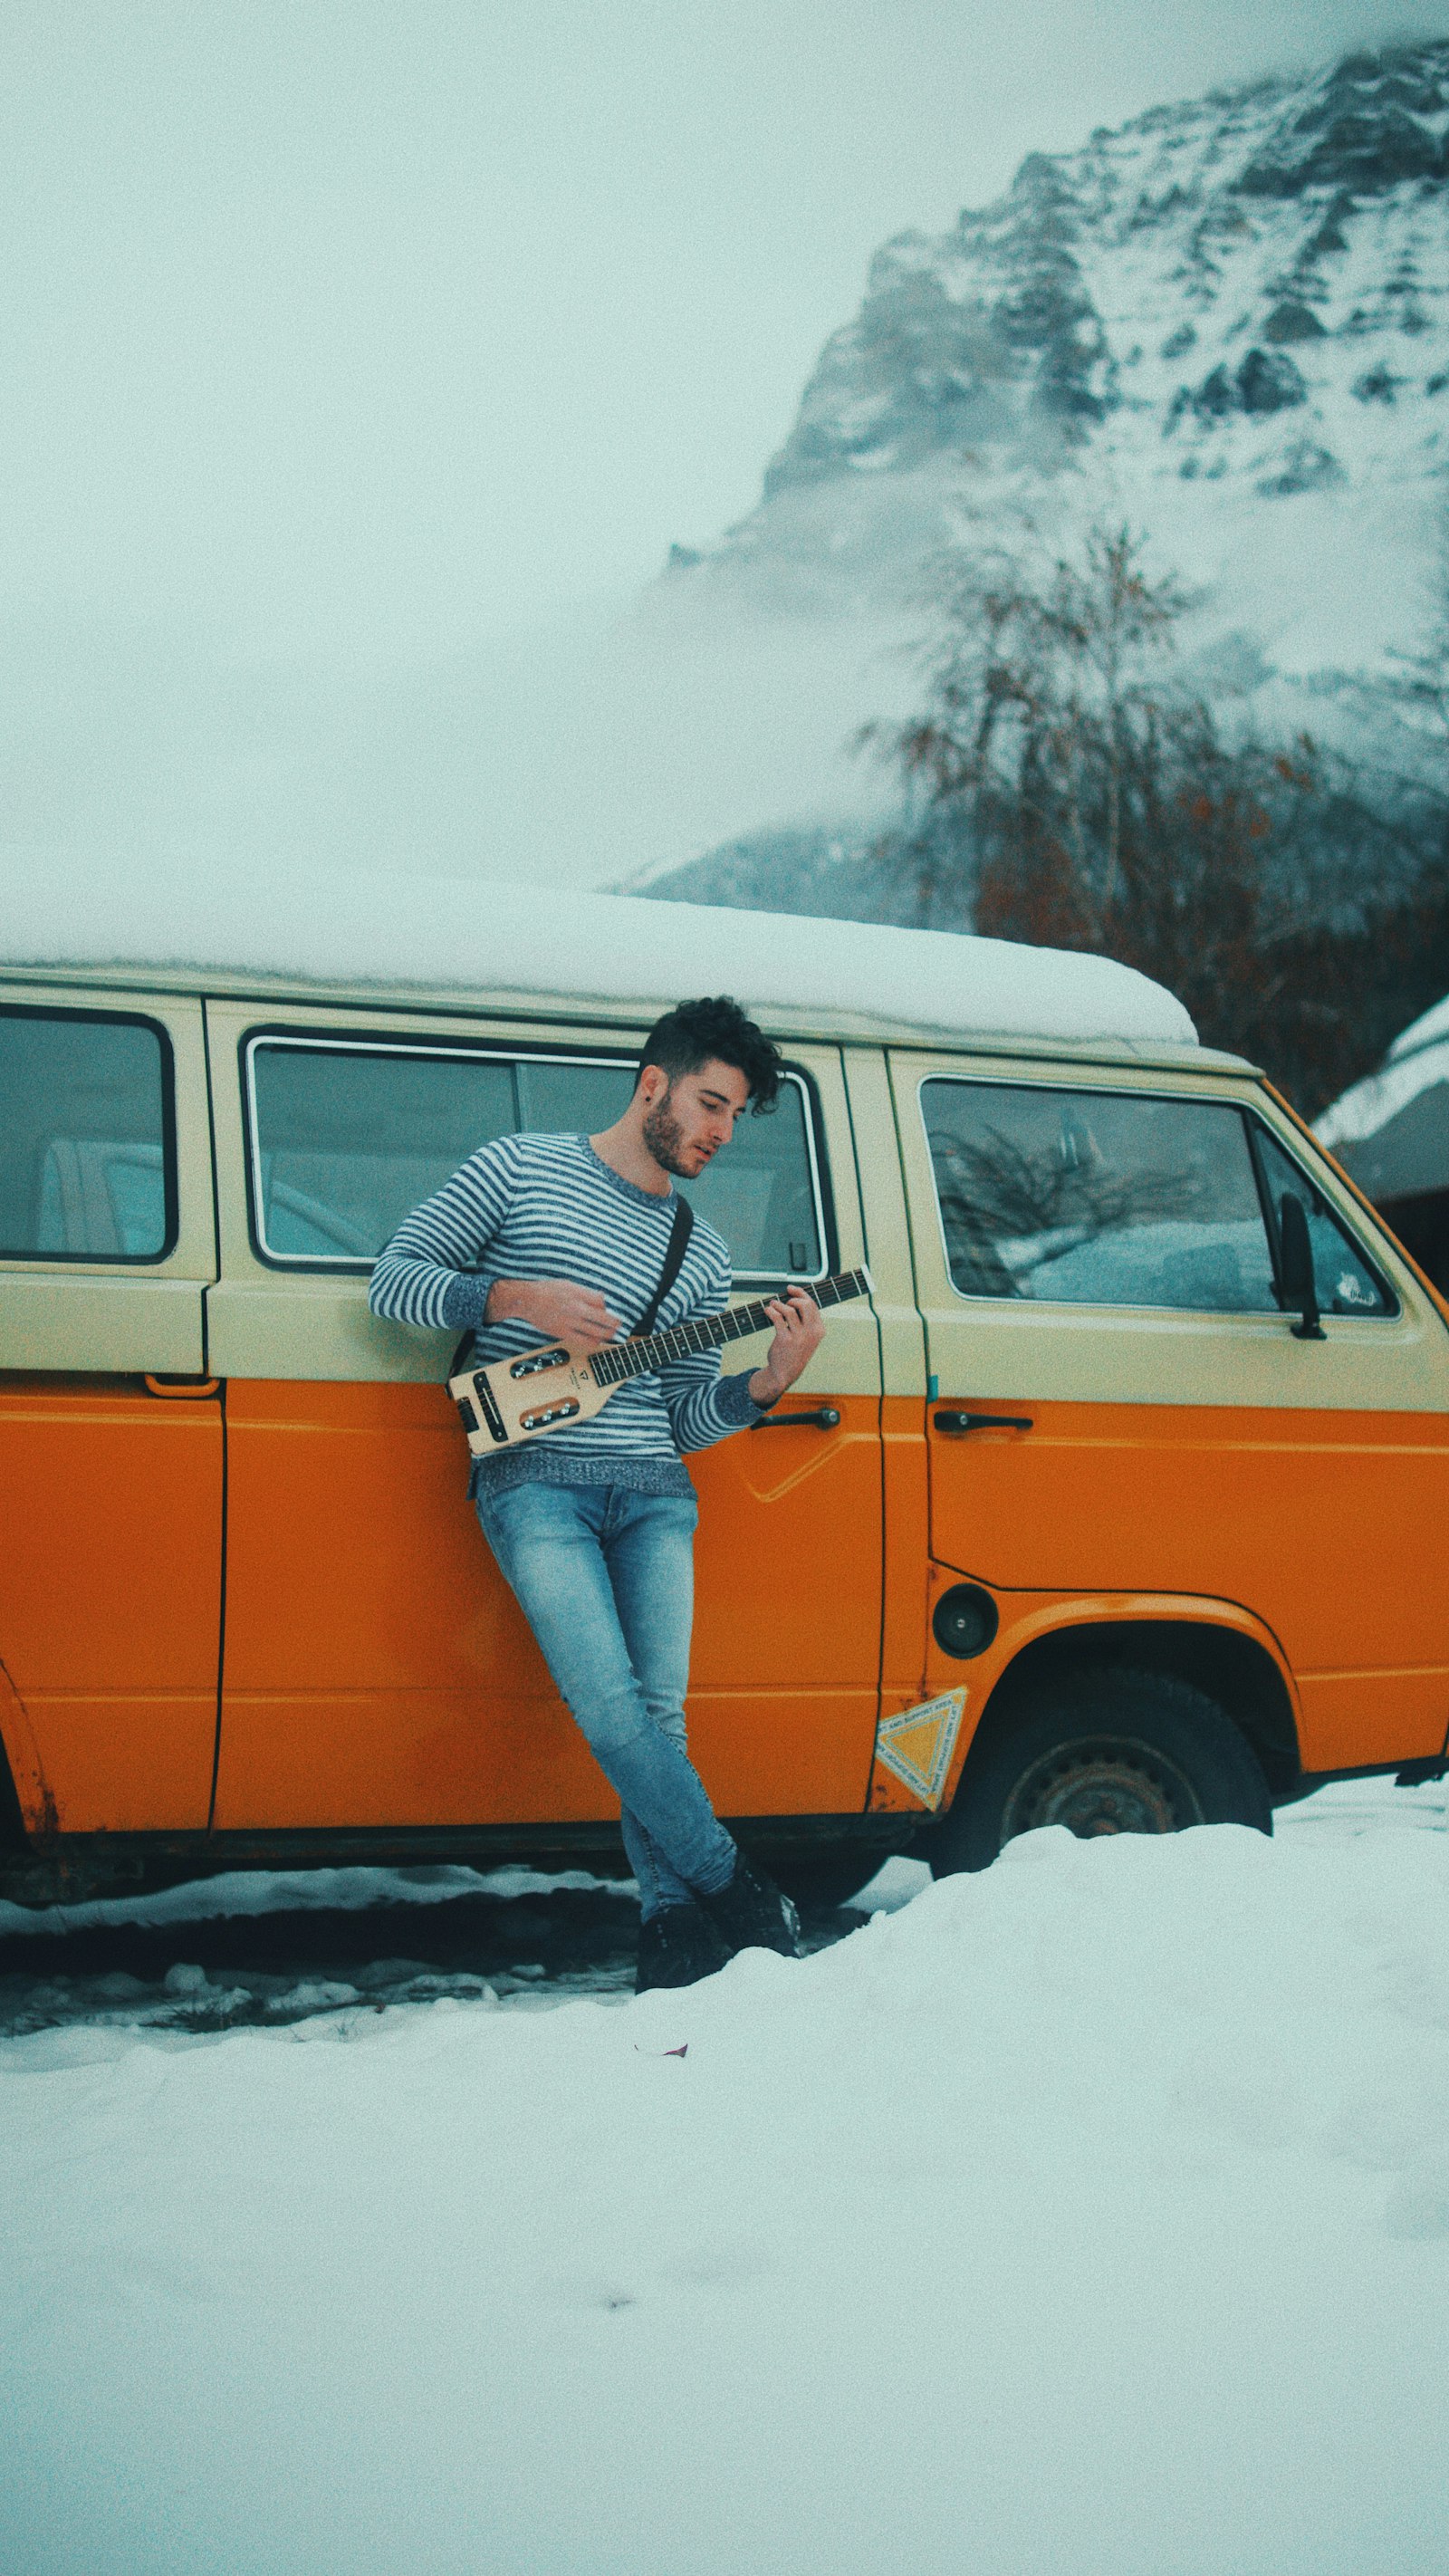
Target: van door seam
221, 1407
889, 1056
860, 1200
221, 1609
215, 1198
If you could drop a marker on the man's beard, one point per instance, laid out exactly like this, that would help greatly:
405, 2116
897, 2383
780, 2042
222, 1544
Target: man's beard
665, 1138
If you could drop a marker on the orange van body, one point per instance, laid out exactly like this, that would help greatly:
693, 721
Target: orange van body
246, 1613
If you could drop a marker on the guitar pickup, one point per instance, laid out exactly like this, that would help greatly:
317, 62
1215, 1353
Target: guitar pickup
533, 1361
548, 1413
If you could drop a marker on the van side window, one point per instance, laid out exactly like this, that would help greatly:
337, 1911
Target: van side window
1098, 1198
87, 1161
761, 1195
347, 1138
1346, 1284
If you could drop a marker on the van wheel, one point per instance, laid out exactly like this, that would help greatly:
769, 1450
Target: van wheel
1107, 1750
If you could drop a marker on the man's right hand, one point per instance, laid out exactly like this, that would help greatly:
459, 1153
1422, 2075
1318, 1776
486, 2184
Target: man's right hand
557, 1307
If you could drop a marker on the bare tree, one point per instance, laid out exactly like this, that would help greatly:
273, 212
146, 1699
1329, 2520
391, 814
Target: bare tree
1065, 789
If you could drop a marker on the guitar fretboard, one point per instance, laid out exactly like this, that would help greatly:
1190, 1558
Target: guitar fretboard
634, 1359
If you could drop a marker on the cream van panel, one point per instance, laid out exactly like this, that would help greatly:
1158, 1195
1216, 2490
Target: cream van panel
266, 1322
887, 1234
99, 1316
1000, 1348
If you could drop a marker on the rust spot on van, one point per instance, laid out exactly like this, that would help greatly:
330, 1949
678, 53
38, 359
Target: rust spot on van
39, 1812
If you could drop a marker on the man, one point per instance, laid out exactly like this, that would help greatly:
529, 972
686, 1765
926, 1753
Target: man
569, 1237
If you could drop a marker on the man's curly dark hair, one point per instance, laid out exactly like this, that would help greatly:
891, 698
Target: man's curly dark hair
694, 1034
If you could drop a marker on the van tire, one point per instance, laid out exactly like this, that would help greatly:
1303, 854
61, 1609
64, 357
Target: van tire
1108, 1749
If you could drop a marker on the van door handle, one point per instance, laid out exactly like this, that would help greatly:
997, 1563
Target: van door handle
949, 1419
823, 1416
181, 1388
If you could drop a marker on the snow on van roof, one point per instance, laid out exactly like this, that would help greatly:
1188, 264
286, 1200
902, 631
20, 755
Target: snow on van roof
1430, 1027
1417, 1060
461, 934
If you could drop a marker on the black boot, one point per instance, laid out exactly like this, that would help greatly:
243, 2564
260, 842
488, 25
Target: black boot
752, 1914
677, 1948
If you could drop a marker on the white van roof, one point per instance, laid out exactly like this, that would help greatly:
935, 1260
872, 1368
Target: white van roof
475, 940
1407, 1094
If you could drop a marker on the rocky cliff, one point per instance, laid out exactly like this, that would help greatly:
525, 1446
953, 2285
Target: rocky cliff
1227, 322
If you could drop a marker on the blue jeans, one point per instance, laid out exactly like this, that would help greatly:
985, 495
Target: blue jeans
605, 1578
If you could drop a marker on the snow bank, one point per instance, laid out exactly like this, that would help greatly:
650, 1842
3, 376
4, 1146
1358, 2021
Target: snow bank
618, 948
236, 1892
1091, 2215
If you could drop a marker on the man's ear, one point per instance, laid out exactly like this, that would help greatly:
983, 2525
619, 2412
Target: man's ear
653, 1084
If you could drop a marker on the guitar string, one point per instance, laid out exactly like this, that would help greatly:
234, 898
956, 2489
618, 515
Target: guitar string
636, 1359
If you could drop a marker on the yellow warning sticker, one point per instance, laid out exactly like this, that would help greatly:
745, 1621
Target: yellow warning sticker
918, 1744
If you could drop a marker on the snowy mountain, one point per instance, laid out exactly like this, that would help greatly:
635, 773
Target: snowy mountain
1226, 322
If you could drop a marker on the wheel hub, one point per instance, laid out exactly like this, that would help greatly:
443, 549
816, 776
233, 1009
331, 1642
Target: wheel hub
1103, 1787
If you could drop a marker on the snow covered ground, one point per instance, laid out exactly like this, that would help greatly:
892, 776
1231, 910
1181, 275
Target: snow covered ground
1090, 2215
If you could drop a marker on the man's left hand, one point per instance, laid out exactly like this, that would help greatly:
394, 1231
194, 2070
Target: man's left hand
799, 1331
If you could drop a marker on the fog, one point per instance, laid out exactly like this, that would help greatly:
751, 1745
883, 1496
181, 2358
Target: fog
363, 361
580, 751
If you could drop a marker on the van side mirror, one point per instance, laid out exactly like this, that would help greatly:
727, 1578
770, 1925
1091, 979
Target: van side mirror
1295, 1245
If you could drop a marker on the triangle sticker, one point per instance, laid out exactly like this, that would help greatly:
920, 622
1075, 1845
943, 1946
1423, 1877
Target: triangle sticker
916, 1745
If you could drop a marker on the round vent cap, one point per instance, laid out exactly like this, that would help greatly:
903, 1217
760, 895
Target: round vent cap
964, 1621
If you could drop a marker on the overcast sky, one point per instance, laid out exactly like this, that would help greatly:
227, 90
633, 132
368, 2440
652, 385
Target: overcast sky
348, 333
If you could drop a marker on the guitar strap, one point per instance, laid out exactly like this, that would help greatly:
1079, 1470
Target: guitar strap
674, 1252
462, 1354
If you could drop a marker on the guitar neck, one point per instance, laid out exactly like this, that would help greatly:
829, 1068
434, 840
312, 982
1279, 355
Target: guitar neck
620, 1360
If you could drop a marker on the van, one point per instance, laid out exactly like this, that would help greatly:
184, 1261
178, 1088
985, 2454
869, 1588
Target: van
1119, 1503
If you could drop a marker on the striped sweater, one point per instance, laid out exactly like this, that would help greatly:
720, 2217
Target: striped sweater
547, 1207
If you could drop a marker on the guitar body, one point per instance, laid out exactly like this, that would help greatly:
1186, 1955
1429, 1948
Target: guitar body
520, 1399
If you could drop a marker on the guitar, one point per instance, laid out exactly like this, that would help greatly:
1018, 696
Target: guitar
541, 1390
